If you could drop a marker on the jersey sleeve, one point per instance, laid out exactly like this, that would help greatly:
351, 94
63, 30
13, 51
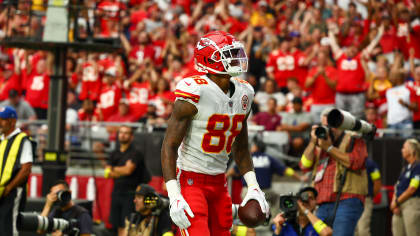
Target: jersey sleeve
188, 90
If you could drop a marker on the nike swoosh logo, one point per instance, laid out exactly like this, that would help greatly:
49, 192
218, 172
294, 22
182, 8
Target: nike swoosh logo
187, 83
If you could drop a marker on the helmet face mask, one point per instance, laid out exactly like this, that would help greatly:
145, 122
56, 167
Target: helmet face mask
228, 57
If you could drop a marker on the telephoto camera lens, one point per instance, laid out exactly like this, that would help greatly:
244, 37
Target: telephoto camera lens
32, 222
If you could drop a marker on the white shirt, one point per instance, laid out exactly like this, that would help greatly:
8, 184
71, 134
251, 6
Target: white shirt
26, 155
396, 111
262, 98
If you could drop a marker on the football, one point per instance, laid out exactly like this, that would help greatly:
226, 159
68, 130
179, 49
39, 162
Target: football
251, 214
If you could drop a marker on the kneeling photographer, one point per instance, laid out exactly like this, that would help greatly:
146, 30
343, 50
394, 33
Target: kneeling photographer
337, 158
297, 217
152, 214
60, 205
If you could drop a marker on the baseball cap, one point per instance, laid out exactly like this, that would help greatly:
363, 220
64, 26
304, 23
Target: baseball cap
8, 112
308, 189
144, 189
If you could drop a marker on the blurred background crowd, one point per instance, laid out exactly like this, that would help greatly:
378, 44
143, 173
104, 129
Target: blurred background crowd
307, 55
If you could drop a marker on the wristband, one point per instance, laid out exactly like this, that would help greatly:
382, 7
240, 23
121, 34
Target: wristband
106, 172
306, 162
289, 171
241, 230
1, 190
319, 226
251, 179
329, 148
172, 188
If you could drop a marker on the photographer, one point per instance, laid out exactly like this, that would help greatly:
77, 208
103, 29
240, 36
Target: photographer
151, 217
306, 222
339, 175
60, 205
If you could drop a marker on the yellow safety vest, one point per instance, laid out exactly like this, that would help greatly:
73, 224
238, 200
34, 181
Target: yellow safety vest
9, 151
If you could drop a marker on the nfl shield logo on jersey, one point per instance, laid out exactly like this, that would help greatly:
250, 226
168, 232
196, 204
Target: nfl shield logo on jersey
244, 102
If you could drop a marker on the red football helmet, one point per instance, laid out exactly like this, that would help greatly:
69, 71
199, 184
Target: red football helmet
219, 52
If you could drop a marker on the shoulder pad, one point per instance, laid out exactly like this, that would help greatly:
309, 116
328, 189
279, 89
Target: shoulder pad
189, 89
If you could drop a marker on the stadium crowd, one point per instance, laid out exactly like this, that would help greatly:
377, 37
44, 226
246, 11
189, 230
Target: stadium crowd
304, 56
321, 52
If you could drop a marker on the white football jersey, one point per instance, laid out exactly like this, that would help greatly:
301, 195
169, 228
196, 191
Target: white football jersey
219, 120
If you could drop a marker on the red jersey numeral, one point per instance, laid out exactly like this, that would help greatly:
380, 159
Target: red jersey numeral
217, 126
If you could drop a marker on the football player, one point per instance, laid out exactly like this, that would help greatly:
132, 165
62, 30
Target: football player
207, 124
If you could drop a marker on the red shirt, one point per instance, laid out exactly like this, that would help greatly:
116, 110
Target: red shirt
109, 100
415, 90
351, 75
118, 118
161, 100
6, 85
91, 83
321, 92
325, 187
284, 65
140, 53
389, 40
83, 116
269, 121
111, 11
138, 98
413, 39
37, 90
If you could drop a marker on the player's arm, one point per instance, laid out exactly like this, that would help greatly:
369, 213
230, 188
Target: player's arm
240, 150
242, 157
178, 124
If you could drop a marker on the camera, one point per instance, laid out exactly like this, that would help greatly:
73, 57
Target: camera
321, 132
33, 222
344, 120
64, 196
155, 202
289, 205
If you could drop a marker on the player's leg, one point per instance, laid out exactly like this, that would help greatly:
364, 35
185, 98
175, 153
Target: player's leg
194, 194
220, 211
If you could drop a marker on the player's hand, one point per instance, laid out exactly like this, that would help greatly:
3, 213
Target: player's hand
256, 194
178, 207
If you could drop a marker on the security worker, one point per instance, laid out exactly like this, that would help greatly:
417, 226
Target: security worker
405, 203
16, 156
127, 167
374, 186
